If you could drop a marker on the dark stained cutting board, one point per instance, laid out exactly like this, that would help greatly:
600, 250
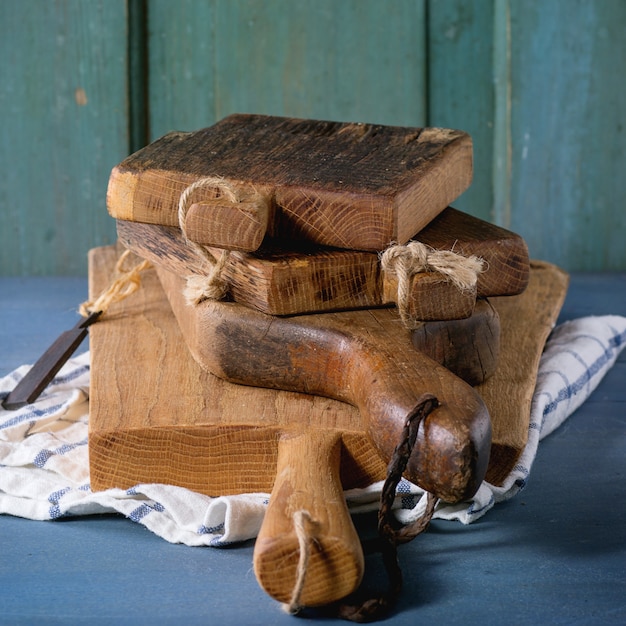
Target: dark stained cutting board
288, 282
365, 358
348, 185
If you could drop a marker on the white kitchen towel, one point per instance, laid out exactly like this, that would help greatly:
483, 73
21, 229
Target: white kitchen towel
44, 468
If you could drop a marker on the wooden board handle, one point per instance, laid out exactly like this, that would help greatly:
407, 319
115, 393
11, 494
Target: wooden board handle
232, 226
308, 485
350, 357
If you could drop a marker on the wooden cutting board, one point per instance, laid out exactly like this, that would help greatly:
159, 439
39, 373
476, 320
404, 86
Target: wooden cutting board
354, 186
279, 282
505, 253
365, 358
156, 416
288, 282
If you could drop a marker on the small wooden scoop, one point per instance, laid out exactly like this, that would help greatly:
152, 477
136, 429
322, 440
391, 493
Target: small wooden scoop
354, 186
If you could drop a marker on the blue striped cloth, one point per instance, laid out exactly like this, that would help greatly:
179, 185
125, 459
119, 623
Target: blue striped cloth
44, 469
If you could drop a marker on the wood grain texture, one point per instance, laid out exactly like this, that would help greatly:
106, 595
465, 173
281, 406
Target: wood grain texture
159, 428
355, 186
535, 313
63, 104
286, 282
231, 226
364, 358
507, 266
178, 424
534, 86
470, 348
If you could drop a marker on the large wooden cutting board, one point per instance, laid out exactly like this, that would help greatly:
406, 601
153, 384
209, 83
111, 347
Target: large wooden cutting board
136, 435
156, 416
355, 186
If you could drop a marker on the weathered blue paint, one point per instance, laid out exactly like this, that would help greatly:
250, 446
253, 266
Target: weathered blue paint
355, 60
568, 145
461, 88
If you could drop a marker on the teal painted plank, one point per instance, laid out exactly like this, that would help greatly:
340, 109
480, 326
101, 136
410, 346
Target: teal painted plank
358, 60
502, 141
64, 113
355, 60
138, 105
568, 145
181, 60
461, 91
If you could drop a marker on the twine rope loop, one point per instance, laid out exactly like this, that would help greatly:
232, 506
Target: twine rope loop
302, 522
211, 286
391, 533
404, 261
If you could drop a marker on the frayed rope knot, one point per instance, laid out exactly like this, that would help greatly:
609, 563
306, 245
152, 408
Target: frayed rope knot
211, 286
404, 261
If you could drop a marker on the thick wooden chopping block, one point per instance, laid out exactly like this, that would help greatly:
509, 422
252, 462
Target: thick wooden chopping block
355, 186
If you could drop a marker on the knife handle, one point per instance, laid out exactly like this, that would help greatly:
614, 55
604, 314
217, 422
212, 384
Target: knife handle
48, 365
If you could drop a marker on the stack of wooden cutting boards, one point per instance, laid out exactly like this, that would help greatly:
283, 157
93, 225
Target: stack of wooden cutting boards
299, 375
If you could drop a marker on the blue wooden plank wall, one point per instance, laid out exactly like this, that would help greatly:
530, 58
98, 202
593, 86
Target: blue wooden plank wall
63, 106
539, 84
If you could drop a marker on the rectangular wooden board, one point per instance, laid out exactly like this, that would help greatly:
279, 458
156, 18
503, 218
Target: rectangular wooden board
349, 185
157, 417
290, 281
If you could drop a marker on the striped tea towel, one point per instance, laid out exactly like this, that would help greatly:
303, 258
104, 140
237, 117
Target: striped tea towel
44, 469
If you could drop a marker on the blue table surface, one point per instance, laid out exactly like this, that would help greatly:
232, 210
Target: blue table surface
555, 554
